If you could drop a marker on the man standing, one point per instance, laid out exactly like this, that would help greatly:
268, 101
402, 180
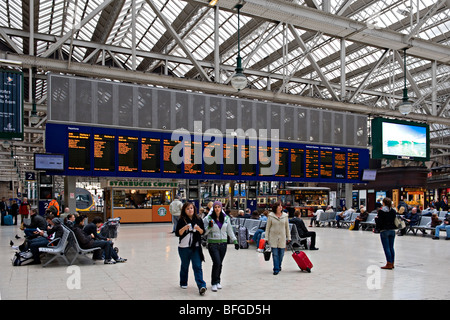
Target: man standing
175, 211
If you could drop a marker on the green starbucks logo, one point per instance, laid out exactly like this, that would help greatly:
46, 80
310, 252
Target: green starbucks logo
162, 212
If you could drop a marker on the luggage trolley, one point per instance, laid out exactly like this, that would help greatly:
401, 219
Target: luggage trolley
110, 230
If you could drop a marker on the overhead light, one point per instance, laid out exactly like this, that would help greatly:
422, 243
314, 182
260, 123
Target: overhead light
34, 118
213, 2
239, 80
405, 106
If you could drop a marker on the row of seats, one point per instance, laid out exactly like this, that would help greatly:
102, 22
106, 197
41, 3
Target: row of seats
67, 241
253, 225
423, 224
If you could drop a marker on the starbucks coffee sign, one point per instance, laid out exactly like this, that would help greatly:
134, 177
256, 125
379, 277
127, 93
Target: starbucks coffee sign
162, 212
143, 184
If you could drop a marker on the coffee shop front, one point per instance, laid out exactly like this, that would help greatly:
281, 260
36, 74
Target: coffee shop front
140, 201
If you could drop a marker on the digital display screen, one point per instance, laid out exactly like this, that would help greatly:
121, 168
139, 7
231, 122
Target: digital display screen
353, 166
339, 165
326, 164
211, 162
404, 140
104, 152
128, 153
150, 153
400, 139
190, 166
230, 167
45, 161
79, 145
297, 162
312, 163
93, 151
369, 175
282, 162
248, 160
168, 165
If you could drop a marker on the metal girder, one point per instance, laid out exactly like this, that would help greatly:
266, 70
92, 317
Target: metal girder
306, 18
210, 87
313, 63
179, 41
363, 83
68, 35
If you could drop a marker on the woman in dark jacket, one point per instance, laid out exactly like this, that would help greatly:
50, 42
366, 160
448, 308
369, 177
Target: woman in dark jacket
190, 229
385, 223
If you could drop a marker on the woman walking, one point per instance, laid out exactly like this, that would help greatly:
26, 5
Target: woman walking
385, 223
217, 231
277, 233
190, 229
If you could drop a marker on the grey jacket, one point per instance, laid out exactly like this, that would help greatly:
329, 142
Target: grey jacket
215, 234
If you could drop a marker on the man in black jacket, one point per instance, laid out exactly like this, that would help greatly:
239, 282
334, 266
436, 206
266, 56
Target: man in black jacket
302, 231
87, 241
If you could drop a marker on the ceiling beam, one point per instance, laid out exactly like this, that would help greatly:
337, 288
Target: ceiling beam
82, 69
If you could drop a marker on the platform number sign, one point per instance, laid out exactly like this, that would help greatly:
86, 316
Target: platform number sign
30, 176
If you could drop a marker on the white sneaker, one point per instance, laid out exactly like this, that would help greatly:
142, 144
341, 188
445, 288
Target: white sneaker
183, 287
219, 286
214, 287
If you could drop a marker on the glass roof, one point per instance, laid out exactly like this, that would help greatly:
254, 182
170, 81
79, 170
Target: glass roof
271, 55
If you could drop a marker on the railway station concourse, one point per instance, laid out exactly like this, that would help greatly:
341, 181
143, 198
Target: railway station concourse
115, 108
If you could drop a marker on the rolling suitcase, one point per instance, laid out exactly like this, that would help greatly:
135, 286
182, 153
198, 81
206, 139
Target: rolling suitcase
242, 236
301, 259
8, 220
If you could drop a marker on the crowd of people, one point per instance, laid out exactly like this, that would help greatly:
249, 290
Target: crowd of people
44, 230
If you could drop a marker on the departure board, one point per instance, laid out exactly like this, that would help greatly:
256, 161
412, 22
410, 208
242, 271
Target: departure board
190, 166
212, 161
104, 152
248, 160
282, 162
297, 162
97, 151
339, 165
168, 165
326, 163
230, 166
79, 148
128, 153
312, 163
353, 166
150, 153
264, 158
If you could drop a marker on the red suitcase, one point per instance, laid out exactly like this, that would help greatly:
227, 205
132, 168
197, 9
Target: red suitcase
302, 260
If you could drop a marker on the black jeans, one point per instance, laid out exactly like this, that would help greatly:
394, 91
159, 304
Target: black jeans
311, 234
217, 252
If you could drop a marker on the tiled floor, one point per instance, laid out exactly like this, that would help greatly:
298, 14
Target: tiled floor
345, 267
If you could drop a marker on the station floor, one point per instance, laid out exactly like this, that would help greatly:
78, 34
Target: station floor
346, 267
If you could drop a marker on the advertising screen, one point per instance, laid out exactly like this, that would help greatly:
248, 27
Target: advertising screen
398, 139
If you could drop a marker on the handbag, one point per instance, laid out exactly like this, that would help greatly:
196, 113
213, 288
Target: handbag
267, 252
352, 226
399, 223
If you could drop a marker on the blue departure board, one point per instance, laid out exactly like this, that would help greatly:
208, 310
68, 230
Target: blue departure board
98, 151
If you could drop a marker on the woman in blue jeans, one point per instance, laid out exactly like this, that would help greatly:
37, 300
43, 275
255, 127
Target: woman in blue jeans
277, 233
385, 223
190, 229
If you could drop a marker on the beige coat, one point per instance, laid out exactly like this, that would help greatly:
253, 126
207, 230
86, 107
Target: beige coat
277, 230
